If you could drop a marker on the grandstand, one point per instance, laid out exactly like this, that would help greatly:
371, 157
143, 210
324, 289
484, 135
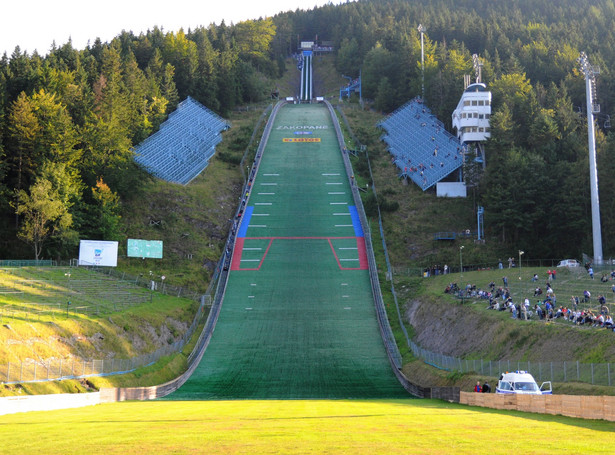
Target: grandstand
422, 149
87, 292
184, 144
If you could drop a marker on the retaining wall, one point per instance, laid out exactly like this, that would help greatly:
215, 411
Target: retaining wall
27, 403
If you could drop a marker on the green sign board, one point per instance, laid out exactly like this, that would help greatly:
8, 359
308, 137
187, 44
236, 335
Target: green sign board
144, 248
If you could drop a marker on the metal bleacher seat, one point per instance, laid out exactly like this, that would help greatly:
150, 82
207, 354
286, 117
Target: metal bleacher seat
421, 147
184, 144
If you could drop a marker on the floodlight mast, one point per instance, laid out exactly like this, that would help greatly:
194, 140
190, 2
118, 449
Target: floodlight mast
592, 108
422, 30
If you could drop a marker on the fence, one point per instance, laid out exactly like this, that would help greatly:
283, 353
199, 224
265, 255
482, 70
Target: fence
566, 371
383, 321
26, 262
401, 270
153, 283
58, 369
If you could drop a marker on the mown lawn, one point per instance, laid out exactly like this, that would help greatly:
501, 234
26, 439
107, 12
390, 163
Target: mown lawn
400, 426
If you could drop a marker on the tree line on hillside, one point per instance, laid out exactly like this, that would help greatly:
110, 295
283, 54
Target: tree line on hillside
68, 120
536, 186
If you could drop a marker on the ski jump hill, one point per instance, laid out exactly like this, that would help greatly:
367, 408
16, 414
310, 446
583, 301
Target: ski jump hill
298, 313
298, 318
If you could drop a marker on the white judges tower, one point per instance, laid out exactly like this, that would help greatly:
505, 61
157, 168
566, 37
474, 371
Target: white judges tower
471, 118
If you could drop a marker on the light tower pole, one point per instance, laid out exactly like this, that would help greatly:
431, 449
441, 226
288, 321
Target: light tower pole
592, 108
421, 31
461, 262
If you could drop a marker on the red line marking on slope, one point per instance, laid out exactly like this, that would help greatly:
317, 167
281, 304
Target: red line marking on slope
339, 264
239, 243
262, 259
300, 238
238, 251
363, 265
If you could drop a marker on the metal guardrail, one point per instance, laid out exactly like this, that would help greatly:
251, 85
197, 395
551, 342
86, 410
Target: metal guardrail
383, 321
227, 257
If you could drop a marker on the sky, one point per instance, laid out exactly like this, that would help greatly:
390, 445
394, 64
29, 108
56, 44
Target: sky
35, 24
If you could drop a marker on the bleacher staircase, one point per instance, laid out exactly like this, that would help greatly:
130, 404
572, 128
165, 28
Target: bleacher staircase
184, 144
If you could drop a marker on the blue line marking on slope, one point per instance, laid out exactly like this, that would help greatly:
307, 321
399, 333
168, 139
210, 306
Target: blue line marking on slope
245, 222
356, 221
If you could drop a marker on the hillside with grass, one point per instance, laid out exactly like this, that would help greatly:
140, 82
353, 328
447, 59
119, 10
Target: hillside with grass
440, 322
78, 315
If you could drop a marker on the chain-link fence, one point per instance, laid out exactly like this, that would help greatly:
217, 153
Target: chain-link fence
153, 282
31, 370
567, 371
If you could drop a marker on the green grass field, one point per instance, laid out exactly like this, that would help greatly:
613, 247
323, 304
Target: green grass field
358, 427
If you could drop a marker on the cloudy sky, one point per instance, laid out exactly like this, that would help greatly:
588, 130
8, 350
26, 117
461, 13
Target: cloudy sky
35, 24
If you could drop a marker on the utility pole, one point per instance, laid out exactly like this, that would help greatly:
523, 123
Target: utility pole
592, 108
422, 30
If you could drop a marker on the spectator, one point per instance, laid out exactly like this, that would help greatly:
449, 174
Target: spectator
505, 281
486, 388
590, 270
477, 387
539, 311
535, 277
553, 274
586, 296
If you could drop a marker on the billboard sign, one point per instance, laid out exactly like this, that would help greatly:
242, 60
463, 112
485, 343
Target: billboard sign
98, 253
144, 248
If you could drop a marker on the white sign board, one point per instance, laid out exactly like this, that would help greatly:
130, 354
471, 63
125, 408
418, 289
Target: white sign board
98, 253
451, 189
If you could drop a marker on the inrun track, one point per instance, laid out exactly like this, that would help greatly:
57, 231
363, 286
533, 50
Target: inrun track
298, 319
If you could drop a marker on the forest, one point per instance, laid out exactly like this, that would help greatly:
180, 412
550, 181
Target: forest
69, 119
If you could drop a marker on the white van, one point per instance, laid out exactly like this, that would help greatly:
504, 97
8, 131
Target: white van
521, 382
569, 263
